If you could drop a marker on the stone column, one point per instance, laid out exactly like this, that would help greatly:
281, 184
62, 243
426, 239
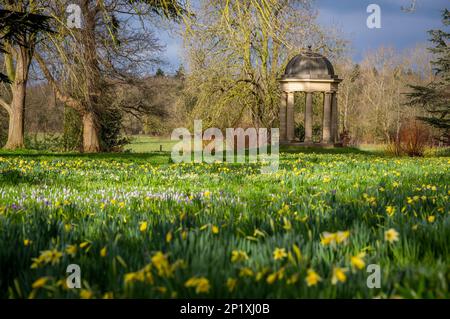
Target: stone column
334, 119
308, 117
283, 136
326, 126
290, 117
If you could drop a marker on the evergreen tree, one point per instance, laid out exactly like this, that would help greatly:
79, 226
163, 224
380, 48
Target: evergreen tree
435, 97
159, 72
14, 26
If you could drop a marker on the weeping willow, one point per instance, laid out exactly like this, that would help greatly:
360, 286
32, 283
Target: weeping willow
236, 50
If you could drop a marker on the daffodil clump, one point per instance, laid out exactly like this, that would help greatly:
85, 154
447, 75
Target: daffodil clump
144, 227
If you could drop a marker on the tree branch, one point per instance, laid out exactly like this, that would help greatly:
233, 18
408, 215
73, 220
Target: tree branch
66, 99
5, 105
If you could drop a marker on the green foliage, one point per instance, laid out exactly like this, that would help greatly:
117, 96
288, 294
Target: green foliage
300, 131
44, 142
435, 97
118, 211
18, 27
154, 125
73, 133
111, 137
159, 72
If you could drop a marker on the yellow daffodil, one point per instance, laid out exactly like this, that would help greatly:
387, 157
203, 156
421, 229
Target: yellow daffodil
338, 275
142, 275
279, 254
390, 210
260, 274
245, 272
161, 263
86, 294
47, 257
71, 250
238, 256
334, 238
272, 278
328, 238
391, 235
293, 279
287, 224
201, 284
169, 237
358, 261
143, 226
231, 284
108, 295
84, 244
39, 283
129, 277
284, 210
312, 278
342, 236
103, 252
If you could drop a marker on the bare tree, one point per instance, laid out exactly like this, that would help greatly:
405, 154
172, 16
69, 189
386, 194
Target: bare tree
85, 63
372, 94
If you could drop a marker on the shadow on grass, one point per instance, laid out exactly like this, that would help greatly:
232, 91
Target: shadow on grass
154, 157
325, 150
164, 156
15, 177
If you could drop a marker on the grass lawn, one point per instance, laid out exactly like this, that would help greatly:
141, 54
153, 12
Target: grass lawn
144, 144
139, 226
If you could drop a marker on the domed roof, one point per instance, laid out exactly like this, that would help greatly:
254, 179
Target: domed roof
309, 65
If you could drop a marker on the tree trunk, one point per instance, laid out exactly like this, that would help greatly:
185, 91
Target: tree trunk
91, 142
18, 90
16, 117
91, 139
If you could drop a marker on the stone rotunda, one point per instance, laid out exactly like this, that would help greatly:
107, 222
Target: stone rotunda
311, 73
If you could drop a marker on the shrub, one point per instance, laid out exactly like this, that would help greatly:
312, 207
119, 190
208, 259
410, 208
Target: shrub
414, 137
412, 140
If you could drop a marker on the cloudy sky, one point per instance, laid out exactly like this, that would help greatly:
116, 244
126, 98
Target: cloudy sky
399, 29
